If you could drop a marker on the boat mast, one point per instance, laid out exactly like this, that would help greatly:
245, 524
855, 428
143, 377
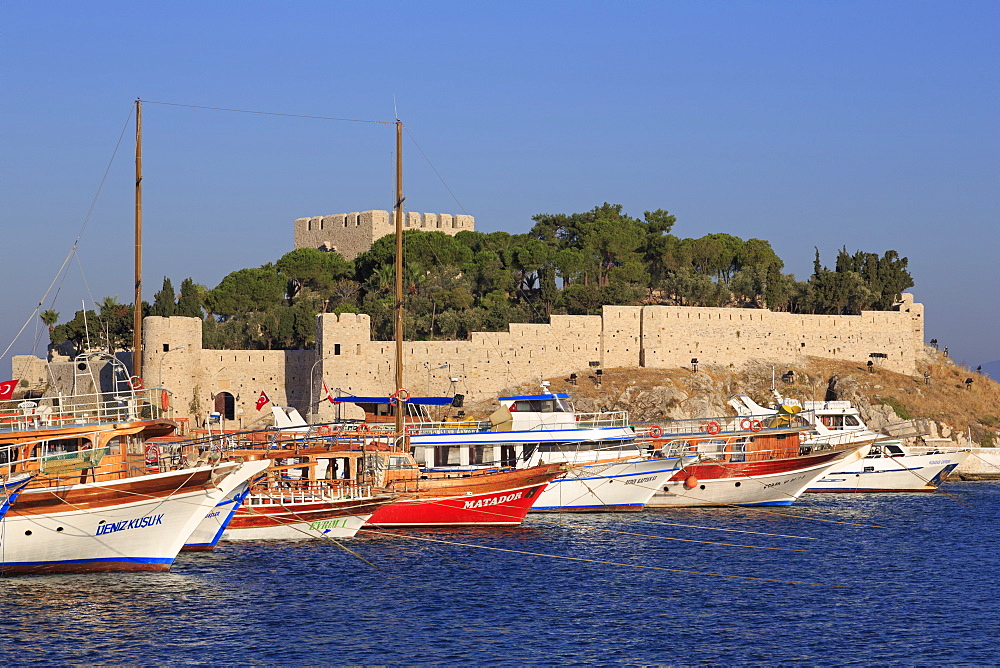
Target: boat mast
400, 406
137, 308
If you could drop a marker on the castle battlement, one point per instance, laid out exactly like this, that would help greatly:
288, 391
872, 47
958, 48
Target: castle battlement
351, 234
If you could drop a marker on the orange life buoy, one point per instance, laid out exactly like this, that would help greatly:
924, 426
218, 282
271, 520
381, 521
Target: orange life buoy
135, 383
756, 425
655, 431
802, 437
690, 482
713, 428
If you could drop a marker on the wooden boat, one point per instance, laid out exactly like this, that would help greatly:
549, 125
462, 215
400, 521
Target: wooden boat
744, 459
91, 504
328, 485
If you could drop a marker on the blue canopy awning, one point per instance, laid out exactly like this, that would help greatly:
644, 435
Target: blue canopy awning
418, 401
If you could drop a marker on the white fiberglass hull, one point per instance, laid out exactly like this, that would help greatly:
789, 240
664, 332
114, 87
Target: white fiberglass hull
611, 486
138, 532
209, 531
778, 488
908, 473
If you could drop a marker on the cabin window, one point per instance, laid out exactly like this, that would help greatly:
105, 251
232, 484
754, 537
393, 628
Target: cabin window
851, 421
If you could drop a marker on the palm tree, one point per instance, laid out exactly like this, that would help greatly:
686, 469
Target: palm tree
49, 318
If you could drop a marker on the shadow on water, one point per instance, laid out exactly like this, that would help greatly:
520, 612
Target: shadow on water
895, 579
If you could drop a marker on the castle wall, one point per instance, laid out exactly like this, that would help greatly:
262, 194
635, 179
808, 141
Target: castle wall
490, 363
351, 234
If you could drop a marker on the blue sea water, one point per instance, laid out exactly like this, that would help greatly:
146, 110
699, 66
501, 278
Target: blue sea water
906, 579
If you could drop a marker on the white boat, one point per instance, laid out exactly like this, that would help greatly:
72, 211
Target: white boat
608, 470
133, 524
889, 466
885, 466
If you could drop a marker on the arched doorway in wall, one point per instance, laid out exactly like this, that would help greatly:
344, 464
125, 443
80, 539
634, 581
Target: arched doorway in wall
225, 405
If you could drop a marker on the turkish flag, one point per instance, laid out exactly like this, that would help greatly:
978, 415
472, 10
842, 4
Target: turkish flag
326, 391
262, 399
7, 389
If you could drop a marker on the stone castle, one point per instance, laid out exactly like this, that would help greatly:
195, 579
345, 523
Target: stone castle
351, 363
351, 234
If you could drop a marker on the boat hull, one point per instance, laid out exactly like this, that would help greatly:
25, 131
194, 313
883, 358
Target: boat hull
777, 482
496, 508
607, 486
137, 524
271, 517
910, 473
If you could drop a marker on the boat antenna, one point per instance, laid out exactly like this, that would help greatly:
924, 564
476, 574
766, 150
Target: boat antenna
137, 306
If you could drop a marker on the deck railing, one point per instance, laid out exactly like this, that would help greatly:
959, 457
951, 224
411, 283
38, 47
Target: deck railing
82, 409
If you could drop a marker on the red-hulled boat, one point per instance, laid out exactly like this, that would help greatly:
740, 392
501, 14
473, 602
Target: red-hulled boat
744, 460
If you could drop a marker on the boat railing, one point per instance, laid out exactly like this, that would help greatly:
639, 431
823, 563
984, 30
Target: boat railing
82, 409
727, 425
602, 420
51, 462
282, 490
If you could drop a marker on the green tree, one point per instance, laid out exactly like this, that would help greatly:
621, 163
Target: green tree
49, 318
164, 303
191, 298
247, 290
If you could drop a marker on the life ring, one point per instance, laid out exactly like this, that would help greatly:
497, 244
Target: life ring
711, 428
802, 437
152, 453
745, 424
164, 399
756, 426
364, 430
402, 394
324, 430
135, 382
655, 431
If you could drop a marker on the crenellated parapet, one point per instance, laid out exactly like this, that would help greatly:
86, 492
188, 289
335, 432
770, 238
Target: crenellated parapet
351, 234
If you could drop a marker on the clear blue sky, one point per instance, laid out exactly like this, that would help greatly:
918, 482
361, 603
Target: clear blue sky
870, 125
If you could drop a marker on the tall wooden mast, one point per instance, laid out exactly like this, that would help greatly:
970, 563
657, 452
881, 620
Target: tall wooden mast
137, 308
400, 405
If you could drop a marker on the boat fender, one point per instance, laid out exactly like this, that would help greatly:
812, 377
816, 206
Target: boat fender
690, 482
164, 400
655, 431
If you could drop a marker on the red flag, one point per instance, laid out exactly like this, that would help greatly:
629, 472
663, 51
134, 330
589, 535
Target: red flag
7, 389
326, 391
262, 399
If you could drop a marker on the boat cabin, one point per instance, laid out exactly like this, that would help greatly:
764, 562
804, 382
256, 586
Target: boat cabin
383, 409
